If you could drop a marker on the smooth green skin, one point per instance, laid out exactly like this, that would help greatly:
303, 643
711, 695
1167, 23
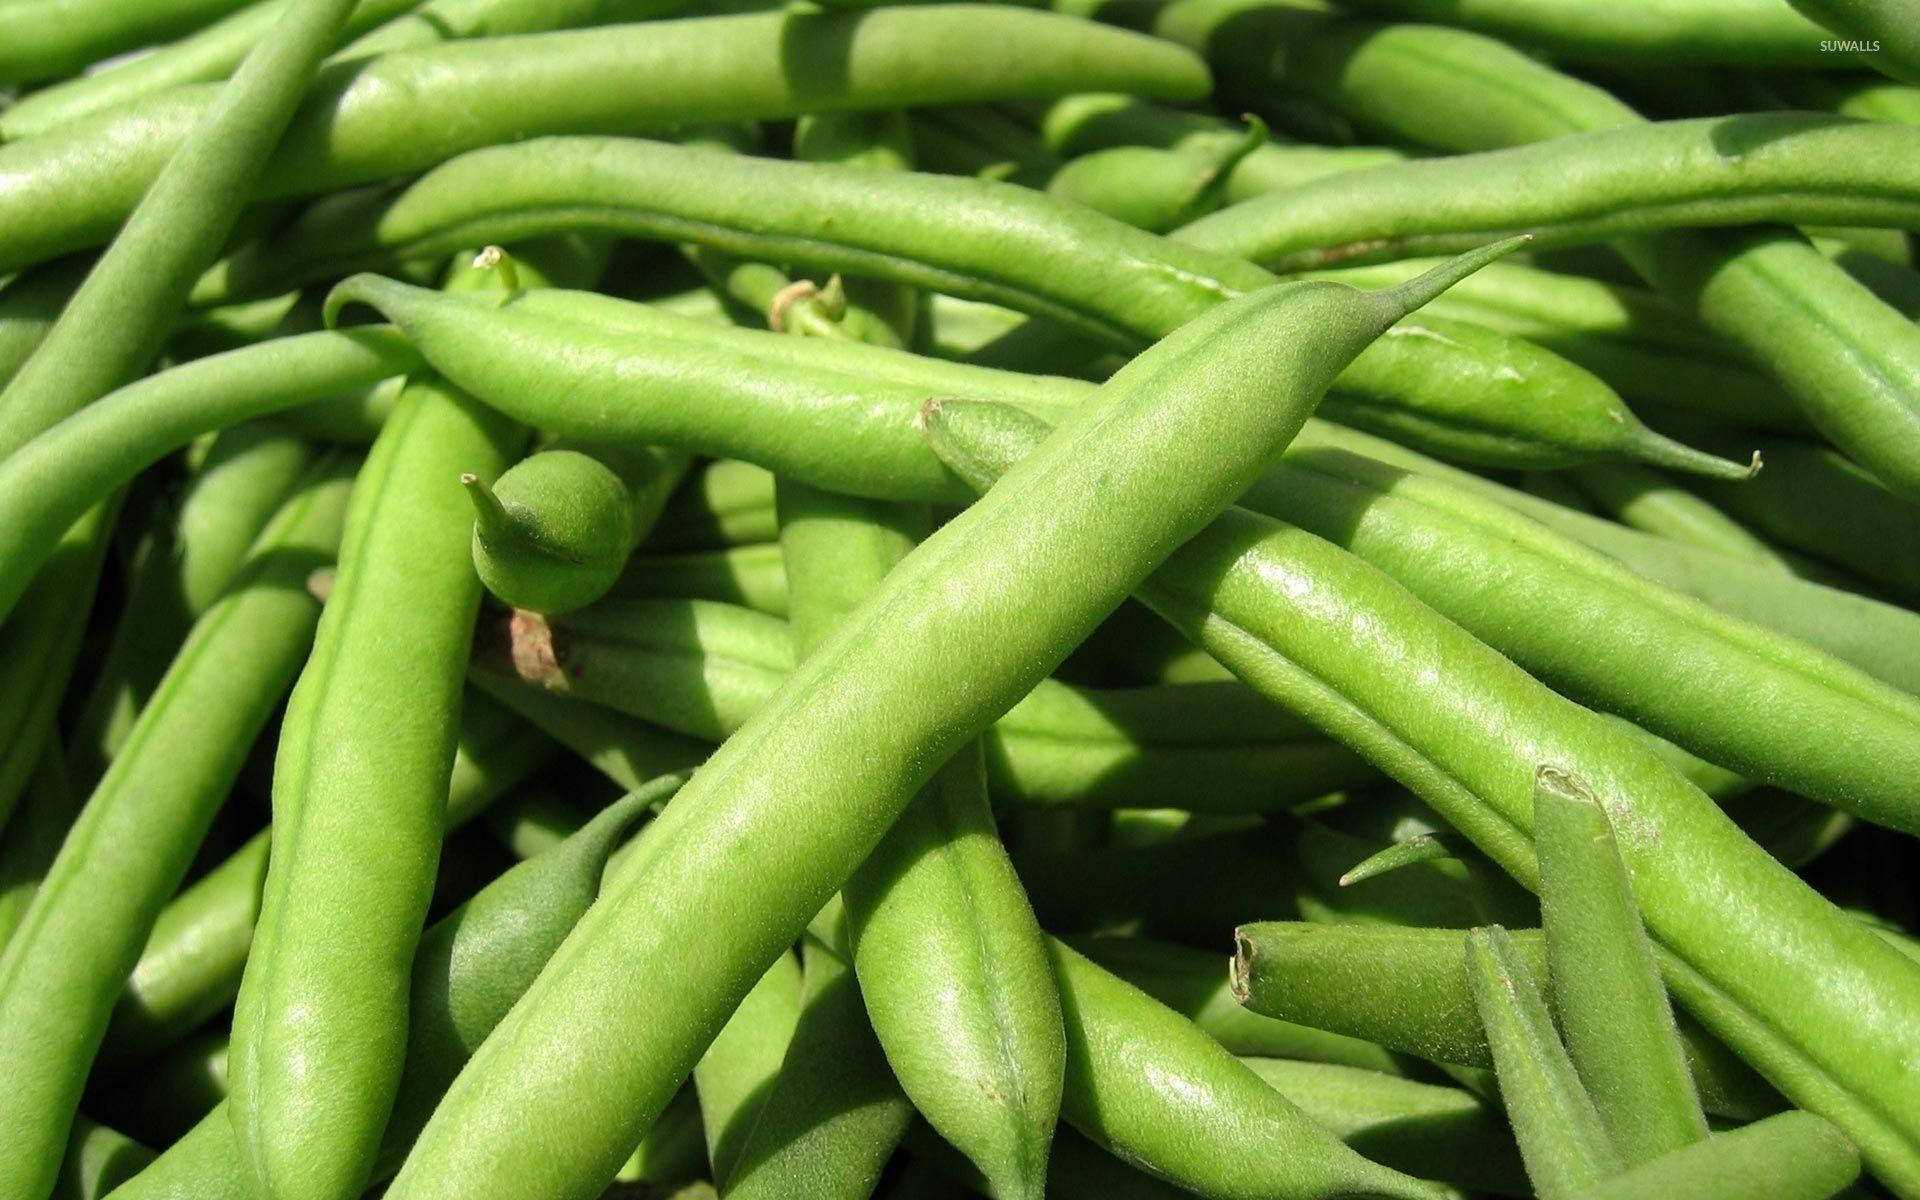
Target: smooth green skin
806, 788
397, 114
626, 751
945, 946
1443, 1133
190, 968
1789, 1156
1875, 637
121, 314
1641, 345
360, 788
1814, 500
56, 478
1802, 168
98, 1160
733, 1077
1394, 520
1614, 1009
835, 1114
1081, 124
384, 26
136, 837
728, 503
1850, 362
177, 574
1814, 1004
1403, 987
471, 967
844, 416
1896, 50
1562, 1139
47, 39
1190, 982
1146, 1084
1154, 189
1646, 500
553, 533
1001, 243
33, 836
1734, 33
702, 669
753, 576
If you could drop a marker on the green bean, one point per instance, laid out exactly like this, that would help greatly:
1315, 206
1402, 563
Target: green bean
1818, 502
169, 1095
944, 943
730, 503
30, 303
1152, 189
98, 1160
1562, 1139
554, 533
624, 750
320, 1020
355, 128
702, 669
1739, 33
733, 1077
241, 479
120, 315
33, 836
1403, 988
1612, 1005
674, 1152
752, 576
131, 845
1433, 892
1144, 1083
835, 1113
1191, 983
1442, 1132
1077, 125
1789, 1156
1646, 500
471, 967
1876, 29
47, 39
55, 478
1794, 167
1775, 997
1060, 553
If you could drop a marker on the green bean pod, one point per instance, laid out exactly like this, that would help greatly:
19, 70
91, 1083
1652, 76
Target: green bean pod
1689, 33
359, 787
1144, 1083
97, 1161
190, 967
1791, 1156
751, 576
243, 477
1646, 500
47, 39
779, 793
728, 503
33, 836
553, 533
835, 1114
1773, 997
1562, 1139
372, 118
132, 844
1153, 189
1802, 168
471, 967
944, 943
702, 669
1878, 29
733, 1077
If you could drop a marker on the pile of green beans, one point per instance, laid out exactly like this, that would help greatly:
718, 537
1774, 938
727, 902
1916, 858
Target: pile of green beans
1117, 598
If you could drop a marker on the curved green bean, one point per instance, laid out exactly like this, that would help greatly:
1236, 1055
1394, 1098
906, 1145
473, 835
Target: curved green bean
132, 844
1879, 30
47, 39
1153, 189
398, 113
1788, 1156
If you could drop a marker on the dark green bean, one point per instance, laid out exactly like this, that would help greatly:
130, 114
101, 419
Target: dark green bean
369, 119
98, 1160
47, 39
1149, 889
1879, 30
752, 576
33, 836
1646, 500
